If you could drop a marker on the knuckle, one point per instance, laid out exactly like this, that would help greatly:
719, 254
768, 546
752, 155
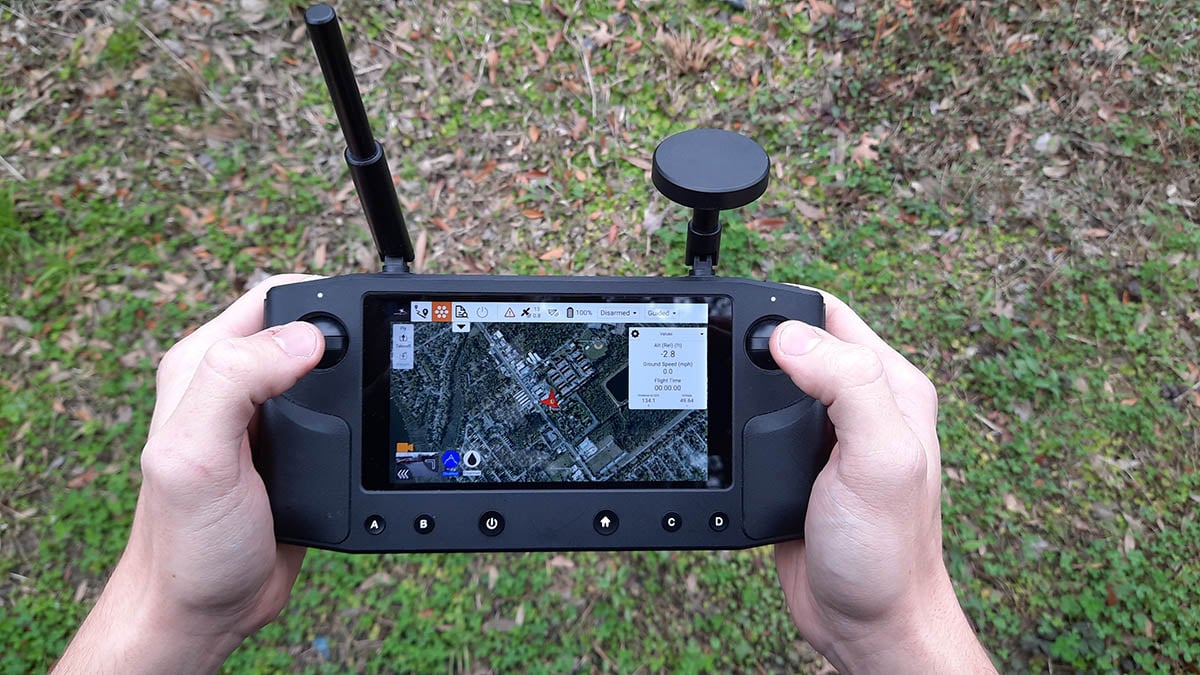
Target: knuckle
159, 466
858, 365
169, 466
914, 385
178, 358
230, 360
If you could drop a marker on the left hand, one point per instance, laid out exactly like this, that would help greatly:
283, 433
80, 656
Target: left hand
202, 569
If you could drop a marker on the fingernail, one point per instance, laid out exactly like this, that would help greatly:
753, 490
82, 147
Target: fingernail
297, 339
797, 339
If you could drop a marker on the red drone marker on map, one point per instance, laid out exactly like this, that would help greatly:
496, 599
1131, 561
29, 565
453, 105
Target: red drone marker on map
551, 401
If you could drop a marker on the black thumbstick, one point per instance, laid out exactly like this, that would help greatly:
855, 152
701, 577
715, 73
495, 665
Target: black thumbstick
709, 170
337, 341
758, 342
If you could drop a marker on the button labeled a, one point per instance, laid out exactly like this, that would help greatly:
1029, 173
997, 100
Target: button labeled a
375, 524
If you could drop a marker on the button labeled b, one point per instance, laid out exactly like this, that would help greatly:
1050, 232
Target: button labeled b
423, 524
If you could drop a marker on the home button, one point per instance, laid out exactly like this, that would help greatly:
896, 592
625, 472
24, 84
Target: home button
606, 522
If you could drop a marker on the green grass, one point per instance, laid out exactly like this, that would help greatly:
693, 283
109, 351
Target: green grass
1056, 315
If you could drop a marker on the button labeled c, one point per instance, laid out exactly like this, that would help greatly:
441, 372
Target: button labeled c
672, 522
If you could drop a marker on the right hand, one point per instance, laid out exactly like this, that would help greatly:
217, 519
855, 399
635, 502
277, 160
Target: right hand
867, 587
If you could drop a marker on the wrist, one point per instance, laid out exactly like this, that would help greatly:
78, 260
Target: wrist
930, 635
133, 628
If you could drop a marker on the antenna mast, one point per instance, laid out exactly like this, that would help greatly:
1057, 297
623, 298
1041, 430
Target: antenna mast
364, 155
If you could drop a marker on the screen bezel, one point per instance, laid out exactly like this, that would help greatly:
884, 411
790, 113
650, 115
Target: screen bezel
378, 310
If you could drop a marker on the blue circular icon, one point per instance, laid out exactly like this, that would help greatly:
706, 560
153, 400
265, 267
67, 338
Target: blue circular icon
450, 460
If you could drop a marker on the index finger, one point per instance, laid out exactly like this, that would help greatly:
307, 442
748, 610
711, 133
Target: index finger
845, 324
243, 317
914, 393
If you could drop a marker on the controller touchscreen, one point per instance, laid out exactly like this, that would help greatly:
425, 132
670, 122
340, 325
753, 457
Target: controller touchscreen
552, 394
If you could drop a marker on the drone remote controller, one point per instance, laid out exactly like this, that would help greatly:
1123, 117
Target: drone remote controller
472, 413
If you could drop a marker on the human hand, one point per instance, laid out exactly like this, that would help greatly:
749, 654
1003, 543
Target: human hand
202, 569
867, 586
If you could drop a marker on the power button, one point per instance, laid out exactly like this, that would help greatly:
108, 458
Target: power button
491, 523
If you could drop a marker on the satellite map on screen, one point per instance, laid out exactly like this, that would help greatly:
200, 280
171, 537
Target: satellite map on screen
512, 402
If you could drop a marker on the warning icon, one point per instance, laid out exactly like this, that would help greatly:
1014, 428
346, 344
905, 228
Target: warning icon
510, 313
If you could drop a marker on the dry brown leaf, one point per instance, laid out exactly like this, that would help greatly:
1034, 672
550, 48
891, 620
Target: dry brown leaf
419, 251
821, 8
579, 128
540, 56
94, 43
553, 254
601, 37
766, 224
809, 211
493, 59
1128, 543
638, 162
532, 214
1020, 42
1012, 503
1056, 171
84, 478
953, 24
865, 153
318, 259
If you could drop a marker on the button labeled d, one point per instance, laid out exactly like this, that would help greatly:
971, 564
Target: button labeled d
718, 521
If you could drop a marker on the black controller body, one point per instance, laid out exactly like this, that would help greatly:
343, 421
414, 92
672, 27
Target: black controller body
325, 455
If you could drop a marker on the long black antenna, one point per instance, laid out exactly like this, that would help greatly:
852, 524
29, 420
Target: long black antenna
364, 155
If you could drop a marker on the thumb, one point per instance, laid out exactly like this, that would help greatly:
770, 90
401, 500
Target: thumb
852, 381
236, 375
